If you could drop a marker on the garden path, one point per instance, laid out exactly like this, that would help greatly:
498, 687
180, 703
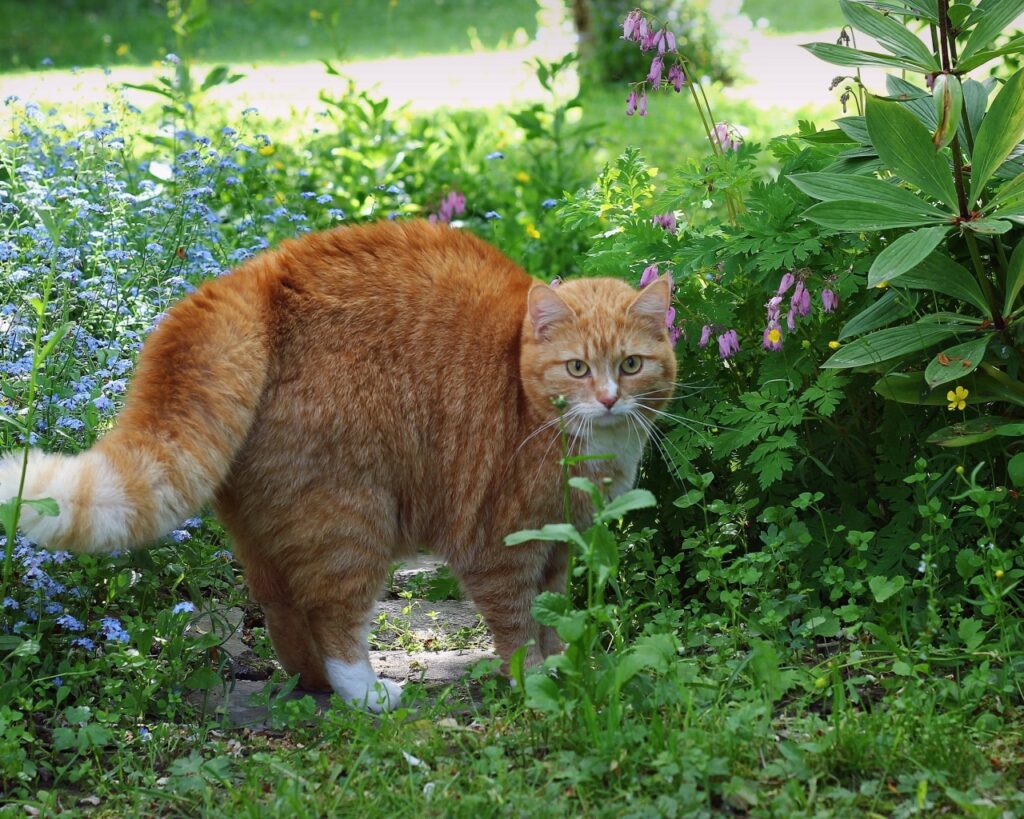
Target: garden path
433, 643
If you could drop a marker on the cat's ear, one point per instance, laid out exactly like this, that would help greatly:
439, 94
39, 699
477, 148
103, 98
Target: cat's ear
652, 303
546, 309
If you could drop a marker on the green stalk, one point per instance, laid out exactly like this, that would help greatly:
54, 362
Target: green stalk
1005, 380
983, 280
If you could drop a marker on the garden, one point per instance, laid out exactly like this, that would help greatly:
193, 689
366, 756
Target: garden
811, 605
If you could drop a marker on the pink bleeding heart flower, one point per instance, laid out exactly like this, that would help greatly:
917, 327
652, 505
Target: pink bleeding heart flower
705, 336
649, 275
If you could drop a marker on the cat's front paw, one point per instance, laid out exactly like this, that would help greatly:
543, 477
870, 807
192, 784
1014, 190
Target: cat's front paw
356, 683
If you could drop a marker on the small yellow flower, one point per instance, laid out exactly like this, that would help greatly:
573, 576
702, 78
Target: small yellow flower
821, 682
999, 573
806, 344
834, 345
266, 150
652, 171
523, 176
122, 49
280, 198
532, 232
775, 335
315, 15
957, 398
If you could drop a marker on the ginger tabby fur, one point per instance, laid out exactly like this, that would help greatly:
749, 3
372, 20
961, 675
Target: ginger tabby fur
355, 395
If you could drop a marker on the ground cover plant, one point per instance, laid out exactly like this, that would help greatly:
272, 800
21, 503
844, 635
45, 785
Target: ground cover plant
810, 606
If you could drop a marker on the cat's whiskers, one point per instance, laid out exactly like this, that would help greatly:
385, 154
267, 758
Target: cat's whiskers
660, 440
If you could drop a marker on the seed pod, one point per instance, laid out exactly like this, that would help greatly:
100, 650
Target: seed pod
949, 101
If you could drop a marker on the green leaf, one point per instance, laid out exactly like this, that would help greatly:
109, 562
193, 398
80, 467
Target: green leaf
54, 340
970, 631
940, 273
987, 226
969, 432
1014, 46
905, 145
892, 342
975, 103
949, 101
888, 32
885, 587
855, 128
47, 507
905, 253
560, 532
851, 215
895, 304
542, 693
957, 361
572, 626
852, 57
1001, 130
1014, 278
203, 679
1009, 194
626, 502
1016, 469
911, 388
991, 17
830, 187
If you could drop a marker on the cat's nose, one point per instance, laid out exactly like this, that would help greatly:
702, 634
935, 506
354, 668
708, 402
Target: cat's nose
608, 400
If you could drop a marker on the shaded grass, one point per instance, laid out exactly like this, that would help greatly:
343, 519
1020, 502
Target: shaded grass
133, 32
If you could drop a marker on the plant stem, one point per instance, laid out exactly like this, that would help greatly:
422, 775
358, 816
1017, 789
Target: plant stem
986, 285
1004, 380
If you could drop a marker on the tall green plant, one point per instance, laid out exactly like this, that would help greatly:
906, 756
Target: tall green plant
933, 171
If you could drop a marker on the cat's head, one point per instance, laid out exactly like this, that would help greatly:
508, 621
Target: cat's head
602, 345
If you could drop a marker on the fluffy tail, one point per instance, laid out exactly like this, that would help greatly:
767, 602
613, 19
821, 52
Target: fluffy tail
189, 408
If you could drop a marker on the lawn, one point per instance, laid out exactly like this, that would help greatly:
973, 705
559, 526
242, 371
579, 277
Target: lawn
810, 607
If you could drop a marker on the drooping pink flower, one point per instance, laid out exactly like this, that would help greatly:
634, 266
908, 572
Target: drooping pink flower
674, 333
454, 204
631, 104
643, 33
555, 282
786, 282
790, 320
631, 24
667, 221
800, 303
676, 77
654, 75
641, 108
726, 137
774, 306
649, 275
670, 40
829, 300
705, 335
728, 344
670, 317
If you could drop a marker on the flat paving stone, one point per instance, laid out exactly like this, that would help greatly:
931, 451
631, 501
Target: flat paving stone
227, 625
415, 570
427, 619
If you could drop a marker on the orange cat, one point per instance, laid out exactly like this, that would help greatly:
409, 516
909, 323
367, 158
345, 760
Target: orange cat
355, 395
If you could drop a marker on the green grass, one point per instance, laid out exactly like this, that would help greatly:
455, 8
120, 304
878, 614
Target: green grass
795, 15
132, 32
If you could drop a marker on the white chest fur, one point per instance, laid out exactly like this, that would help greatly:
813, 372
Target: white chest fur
626, 443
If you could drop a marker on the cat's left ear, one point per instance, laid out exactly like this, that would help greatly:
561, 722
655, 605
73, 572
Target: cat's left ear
652, 303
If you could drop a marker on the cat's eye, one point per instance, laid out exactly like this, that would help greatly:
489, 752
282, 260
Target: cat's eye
631, 364
577, 368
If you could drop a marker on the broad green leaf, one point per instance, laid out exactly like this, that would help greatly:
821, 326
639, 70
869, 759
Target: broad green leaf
905, 145
1014, 278
949, 100
957, 361
853, 215
885, 587
832, 136
855, 128
987, 226
1009, 194
1013, 47
561, 532
911, 388
626, 502
1001, 130
971, 632
991, 16
47, 507
1016, 469
975, 103
542, 693
830, 187
852, 57
37, 305
969, 432
884, 345
905, 253
895, 304
893, 35
940, 273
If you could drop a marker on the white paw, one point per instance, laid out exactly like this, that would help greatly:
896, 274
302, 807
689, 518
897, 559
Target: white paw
357, 684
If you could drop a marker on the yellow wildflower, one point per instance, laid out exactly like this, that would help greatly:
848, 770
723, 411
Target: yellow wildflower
266, 150
957, 398
532, 232
834, 345
315, 15
523, 176
999, 573
122, 49
775, 335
